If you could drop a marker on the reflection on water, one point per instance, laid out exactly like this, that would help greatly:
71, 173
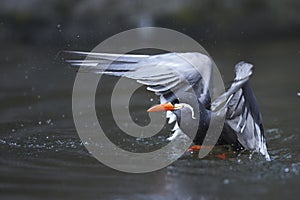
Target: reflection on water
42, 156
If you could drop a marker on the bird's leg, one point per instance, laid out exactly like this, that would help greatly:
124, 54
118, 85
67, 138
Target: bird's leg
198, 147
222, 156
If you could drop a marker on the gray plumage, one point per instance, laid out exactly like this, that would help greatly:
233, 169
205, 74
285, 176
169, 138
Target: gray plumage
168, 72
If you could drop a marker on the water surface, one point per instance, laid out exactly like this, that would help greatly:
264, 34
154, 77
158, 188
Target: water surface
43, 157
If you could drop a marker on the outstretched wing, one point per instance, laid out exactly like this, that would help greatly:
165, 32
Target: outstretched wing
164, 74
243, 116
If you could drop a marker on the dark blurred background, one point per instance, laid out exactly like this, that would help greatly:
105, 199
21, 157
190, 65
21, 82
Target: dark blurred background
66, 22
41, 155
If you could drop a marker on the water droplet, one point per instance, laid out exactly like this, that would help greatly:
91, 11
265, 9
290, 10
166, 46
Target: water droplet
40, 123
226, 181
48, 121
151, 99
2, 142
58, 26
286, 170
13, 130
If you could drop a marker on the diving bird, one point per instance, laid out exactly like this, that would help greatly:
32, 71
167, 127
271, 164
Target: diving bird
168, 74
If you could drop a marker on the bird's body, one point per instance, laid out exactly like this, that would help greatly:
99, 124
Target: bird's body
173, 74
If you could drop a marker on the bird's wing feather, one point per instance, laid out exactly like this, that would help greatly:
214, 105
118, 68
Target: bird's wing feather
243, 115
164, 74
161, 73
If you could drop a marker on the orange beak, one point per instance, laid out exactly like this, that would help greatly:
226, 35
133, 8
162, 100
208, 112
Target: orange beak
161, 107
